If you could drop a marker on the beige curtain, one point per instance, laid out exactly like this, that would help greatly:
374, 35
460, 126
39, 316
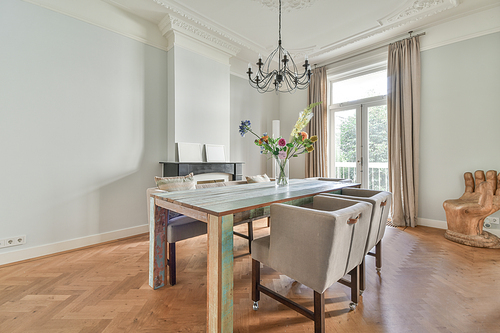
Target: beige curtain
403, 109
316, 160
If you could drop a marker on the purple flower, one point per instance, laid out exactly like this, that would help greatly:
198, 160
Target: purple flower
282, 155
282, 142
244, 127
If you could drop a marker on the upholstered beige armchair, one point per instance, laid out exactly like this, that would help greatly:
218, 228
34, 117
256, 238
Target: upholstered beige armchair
381, 202
315, 247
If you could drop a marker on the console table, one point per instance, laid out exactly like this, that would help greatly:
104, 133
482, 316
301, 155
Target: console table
171, 169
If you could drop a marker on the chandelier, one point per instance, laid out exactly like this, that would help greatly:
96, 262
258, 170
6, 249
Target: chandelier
284, 79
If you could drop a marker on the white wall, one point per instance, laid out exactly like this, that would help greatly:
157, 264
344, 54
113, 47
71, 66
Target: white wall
460, 118
202, 99
290, 107
82, 114
103, 13
261, 110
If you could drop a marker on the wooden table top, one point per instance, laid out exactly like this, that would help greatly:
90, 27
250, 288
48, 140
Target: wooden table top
221, 201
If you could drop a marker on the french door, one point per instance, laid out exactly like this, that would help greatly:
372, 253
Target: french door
358, 142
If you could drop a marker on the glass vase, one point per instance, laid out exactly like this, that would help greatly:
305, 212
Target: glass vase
281, 171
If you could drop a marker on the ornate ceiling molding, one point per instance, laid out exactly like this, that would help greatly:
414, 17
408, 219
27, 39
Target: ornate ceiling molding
415, 11
173, 23
287, 5
419, 6
190, 19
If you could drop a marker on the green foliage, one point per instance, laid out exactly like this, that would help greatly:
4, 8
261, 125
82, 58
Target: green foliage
346, 140
377, 146
377, 142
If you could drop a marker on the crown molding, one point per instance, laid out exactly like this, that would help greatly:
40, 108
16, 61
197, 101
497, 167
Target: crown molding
413, 11
172, 26
419, 9
190, 17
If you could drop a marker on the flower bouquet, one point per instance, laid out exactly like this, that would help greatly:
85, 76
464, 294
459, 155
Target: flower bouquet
279, 148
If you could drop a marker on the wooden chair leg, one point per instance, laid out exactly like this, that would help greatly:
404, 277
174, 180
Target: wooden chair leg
250, 236
354, 287
171, 264
255, 282
362, 277
319, 312
378, 256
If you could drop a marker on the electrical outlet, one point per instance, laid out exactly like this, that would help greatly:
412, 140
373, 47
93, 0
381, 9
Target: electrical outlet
486, 224
494, 220
20, 240
13, 241
2, 243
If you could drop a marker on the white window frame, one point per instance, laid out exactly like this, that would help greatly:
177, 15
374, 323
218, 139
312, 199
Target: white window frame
342, 73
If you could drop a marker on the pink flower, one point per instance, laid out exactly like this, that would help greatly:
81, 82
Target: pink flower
282, 154
282, 142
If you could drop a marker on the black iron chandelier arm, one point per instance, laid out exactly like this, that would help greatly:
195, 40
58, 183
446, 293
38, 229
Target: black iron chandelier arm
262, 81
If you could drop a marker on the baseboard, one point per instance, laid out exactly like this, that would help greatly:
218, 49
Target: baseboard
72, 244
443, 225
432, 223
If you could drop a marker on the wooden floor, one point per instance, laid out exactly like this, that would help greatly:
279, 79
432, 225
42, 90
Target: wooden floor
427, 284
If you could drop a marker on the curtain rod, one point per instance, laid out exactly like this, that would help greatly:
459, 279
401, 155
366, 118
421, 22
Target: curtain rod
374, 49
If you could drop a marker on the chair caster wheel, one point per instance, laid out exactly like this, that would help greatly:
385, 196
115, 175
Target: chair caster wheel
361, 292
379, 269
352, 306
255, 306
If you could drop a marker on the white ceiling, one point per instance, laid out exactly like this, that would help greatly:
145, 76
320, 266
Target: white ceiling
322, 29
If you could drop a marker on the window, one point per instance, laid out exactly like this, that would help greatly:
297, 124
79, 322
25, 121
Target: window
358, 129
359, 87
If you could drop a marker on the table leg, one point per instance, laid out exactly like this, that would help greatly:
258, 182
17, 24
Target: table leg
157, 245
220, 274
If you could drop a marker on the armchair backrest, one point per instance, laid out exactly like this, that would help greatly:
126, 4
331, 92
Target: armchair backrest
314, 246
360, 229
381, 202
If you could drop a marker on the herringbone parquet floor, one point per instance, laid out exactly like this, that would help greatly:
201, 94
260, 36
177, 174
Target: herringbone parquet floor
427, 284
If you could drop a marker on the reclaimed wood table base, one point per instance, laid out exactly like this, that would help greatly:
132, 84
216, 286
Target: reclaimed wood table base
222, 207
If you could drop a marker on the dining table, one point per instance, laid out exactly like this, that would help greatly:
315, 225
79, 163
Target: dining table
220, 208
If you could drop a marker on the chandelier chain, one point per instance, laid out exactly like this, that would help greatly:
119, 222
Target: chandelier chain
280, 22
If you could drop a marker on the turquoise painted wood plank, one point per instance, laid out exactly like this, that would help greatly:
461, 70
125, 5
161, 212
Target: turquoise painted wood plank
227, 274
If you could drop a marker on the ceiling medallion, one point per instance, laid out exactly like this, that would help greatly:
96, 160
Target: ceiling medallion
287, 4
